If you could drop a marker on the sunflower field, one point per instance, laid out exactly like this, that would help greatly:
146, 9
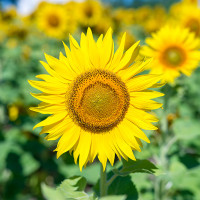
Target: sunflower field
100, 100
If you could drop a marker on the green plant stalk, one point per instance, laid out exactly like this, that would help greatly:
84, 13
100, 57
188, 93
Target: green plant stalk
103, 183
159, 184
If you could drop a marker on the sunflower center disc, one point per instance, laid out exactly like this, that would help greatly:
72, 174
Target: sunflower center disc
97, 101
53, 20
89, 12
173, 57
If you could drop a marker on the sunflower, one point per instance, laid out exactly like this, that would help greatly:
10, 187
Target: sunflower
194, 2
124, 16
174, 50
54, 21
13, 112
9, 15
142, 14
104, 24
189, 16
90, 13
156, 20
97, 102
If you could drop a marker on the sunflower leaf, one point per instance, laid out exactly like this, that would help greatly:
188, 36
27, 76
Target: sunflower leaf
51, 193
72, 188
138, 166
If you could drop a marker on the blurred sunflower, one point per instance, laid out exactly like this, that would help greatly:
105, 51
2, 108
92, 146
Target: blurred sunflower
194, 2
9, 15
142, 14
190, 18
90, 13
97, 102
53, 20
13, 112
103, 25
18, 31
156, 20
124, 16
174, 50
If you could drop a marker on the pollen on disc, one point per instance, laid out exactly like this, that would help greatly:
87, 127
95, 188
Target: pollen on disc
98, 101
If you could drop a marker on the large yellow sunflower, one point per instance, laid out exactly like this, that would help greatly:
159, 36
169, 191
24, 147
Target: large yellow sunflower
97, 102
54, 21
174, 50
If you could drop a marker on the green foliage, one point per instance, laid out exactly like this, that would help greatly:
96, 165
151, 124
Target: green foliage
138, 166
69, 189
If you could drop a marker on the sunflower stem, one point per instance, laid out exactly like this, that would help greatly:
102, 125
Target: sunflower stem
103, 184
109, 182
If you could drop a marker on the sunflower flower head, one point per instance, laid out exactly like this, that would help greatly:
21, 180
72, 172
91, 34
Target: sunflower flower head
175, 51
97, 101
54, 20
189, 17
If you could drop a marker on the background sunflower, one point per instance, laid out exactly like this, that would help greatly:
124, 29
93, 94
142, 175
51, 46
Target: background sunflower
179, 54
54, 20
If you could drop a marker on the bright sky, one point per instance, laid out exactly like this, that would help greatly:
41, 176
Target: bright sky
26, 7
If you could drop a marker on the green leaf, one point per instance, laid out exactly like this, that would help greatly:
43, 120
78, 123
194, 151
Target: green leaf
138, 166
69, 189
73, 188
114, 197
51, 193
122, 186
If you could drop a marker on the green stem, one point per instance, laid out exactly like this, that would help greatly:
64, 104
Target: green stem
160, 183
109, 182
103, 184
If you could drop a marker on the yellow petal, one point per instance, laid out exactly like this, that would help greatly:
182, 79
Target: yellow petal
145, 104
119, 53
49, 109
47, 87
72, 61
53, 99
125, 148
107, 48
94, 147
51, 119
128, 57
133, 129
93, 50
53, 73
141, 119
60, 67
128, 135
85, 144
136, 68
143, 82
57, 126
68, 140
146, 94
